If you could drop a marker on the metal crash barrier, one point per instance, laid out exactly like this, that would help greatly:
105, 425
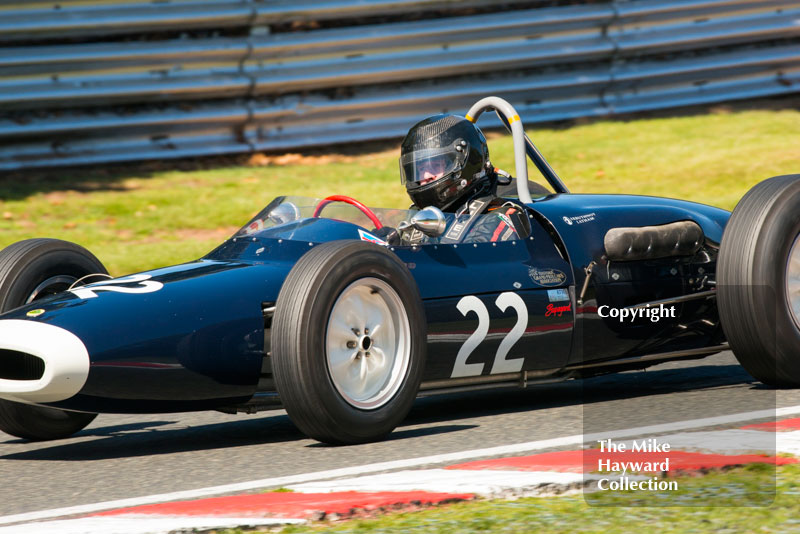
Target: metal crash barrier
98, 81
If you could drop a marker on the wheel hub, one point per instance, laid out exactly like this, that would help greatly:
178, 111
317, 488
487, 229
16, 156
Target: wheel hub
365, 342
368, 343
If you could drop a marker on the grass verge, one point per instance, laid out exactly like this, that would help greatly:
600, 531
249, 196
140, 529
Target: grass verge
619, 514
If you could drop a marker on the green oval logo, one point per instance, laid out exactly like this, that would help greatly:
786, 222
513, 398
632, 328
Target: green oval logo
35, 313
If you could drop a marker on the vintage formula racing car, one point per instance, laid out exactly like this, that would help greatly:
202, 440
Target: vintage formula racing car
308, 308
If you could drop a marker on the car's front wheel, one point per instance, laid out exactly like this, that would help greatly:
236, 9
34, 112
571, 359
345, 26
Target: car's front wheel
348, 342
31, 270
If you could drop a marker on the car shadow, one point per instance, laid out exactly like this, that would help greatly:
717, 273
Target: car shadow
112, 430
119, 442
586, 392
398, 435
149, 439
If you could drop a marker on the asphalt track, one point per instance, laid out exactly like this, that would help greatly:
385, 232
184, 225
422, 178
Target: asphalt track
121, 456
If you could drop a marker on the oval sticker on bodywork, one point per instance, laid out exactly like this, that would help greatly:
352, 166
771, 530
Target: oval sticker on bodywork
35, 313
547, 277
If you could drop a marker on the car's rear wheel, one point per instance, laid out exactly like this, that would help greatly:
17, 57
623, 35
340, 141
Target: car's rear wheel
348, 342
31, 270
758, 276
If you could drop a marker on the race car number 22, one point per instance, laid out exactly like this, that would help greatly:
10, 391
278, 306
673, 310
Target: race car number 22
471, 303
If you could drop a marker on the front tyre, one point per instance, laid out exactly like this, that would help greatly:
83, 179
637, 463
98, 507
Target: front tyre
31, 270
758, 276
348, 342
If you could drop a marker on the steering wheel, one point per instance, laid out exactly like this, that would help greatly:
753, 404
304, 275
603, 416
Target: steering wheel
353, 202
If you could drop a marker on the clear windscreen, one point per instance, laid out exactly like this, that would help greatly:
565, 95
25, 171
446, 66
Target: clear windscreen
283, 210
284, 216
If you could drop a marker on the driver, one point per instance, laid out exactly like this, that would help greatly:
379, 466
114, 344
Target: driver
444, 162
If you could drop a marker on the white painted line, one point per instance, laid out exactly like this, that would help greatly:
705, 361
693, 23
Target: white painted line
453, 457
144, 525
485, 483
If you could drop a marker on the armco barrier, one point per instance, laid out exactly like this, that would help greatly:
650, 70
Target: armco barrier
86, 82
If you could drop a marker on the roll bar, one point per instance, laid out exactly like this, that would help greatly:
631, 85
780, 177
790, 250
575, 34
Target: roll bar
523, 146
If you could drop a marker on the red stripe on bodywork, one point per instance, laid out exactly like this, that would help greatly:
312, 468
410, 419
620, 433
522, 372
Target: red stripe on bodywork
289, 504
587, 461
138, 364
543, 328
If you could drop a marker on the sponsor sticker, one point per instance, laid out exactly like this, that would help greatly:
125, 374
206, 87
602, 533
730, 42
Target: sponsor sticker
557, 310
456, 230
366, 236
505, 219
556, 295
547, 277
579, 219
35, 313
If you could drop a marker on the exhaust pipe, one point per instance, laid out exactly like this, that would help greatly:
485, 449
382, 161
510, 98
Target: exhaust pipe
40, 362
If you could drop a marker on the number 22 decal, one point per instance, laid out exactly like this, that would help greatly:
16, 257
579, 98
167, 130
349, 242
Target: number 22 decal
471, 303
145, 286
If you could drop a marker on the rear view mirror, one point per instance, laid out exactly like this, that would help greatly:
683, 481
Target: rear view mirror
430, 221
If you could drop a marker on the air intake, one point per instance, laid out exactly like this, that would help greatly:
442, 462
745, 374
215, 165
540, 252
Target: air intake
15, 365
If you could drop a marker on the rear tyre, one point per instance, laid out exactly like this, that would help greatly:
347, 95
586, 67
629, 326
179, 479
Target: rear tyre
348, 342
758, 276
31, 270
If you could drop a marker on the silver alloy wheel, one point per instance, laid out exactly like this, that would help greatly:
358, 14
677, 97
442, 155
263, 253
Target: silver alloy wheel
368, 343
793, 281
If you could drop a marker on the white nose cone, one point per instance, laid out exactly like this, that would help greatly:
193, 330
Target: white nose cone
66, 361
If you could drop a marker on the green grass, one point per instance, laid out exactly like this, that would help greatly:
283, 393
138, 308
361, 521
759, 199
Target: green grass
139, 219
619, 513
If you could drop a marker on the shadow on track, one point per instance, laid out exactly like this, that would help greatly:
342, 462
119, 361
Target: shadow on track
127, 441
407, 434
621, 386
146, 439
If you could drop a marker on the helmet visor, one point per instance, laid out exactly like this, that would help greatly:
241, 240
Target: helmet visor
430, 164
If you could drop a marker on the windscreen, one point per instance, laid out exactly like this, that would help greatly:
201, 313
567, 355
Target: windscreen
286, 209
285, 213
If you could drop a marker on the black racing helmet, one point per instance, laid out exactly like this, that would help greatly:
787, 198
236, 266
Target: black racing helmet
443, 160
